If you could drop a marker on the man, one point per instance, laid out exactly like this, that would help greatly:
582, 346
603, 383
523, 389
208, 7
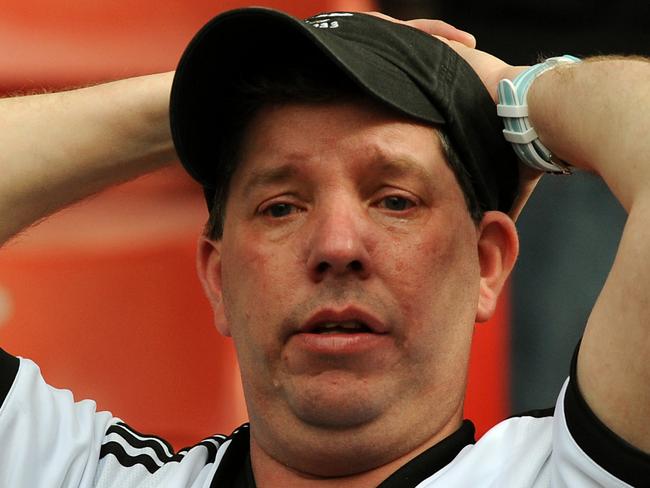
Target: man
358, 229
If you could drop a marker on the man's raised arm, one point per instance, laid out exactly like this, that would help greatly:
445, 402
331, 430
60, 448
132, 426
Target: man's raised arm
596, 115
58, 148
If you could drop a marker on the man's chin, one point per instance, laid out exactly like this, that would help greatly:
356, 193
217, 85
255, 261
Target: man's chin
336, 400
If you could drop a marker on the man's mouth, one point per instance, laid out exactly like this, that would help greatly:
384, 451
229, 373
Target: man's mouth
347, 320
338, 332
344, 327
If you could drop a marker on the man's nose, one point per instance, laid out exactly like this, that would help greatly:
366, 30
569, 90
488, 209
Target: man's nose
338, 244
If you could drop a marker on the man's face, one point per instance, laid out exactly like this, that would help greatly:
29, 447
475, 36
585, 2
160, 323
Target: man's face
348, 274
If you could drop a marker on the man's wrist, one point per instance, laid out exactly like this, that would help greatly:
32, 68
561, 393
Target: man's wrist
511, 72
513, 108
507, 72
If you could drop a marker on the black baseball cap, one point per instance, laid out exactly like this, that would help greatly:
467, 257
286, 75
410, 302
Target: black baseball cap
401, 67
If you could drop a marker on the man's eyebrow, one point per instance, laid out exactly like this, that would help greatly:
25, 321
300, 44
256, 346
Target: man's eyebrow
400, 166
269, 176
403, 166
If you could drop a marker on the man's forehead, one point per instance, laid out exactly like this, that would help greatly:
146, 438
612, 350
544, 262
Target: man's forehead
381, 166
293, 129
285, 141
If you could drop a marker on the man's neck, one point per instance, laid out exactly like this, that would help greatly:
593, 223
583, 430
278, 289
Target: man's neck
269, 473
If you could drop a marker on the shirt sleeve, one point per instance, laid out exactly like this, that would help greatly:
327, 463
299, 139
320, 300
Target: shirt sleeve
48, 439
587, 453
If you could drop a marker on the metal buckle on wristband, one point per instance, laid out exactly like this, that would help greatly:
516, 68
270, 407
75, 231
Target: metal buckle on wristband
518, 130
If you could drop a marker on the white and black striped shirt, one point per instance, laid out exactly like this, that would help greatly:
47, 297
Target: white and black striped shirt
49, 440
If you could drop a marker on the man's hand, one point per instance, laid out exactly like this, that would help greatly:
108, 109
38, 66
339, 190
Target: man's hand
491, 70
437, 28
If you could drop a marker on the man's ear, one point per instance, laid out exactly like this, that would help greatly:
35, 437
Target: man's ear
208, 265
498, 246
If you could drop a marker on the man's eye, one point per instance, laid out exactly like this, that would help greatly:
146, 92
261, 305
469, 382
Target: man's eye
278, 210
396, 204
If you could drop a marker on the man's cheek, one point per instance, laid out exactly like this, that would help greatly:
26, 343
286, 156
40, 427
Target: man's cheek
255, 282
414, 265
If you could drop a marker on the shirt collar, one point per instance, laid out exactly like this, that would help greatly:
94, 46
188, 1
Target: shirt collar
236, 471
433, 459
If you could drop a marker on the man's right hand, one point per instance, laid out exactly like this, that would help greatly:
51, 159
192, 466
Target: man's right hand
490, 70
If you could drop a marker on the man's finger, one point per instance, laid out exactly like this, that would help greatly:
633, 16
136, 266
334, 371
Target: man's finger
438, 28
441, 28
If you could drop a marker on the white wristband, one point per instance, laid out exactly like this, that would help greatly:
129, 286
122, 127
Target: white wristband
513, 108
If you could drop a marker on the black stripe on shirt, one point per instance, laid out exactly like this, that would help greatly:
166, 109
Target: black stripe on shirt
235, 469
8, 371
125, 459
151, 462
212, 450
539, 413
212, 444
133, 441
147, 436
603, 446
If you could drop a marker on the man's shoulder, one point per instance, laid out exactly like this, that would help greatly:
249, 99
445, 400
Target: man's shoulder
549, 447
69, 439
515, 452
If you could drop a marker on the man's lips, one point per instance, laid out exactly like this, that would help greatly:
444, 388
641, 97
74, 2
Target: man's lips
347, 320
348, 331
